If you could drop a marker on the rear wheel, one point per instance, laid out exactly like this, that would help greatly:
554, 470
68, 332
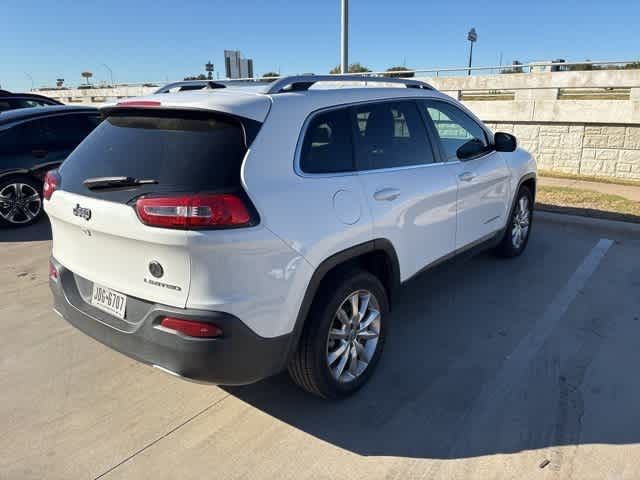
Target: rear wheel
20, 201
343, 337
518, 229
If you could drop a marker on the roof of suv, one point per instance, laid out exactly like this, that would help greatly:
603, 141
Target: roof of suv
21, 114
34, 96
254, 101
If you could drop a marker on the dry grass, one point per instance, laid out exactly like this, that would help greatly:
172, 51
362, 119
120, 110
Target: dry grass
587, 203
615, 181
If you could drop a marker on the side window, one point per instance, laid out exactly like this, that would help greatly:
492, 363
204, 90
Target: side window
461, 137
327, 146
391, 135
21, 138
26, 103
67, 131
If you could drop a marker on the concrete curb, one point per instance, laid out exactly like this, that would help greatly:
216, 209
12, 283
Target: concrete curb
587, 222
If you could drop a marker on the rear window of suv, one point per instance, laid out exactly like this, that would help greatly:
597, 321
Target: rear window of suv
181, 151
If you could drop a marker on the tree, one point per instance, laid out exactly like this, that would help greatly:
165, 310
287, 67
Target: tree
87, 76
583, 66
397, 72
202, 76
516, 68
265, 77
353, 68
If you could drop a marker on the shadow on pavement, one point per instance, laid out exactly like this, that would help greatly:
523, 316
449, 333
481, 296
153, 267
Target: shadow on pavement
451, 331
34, 233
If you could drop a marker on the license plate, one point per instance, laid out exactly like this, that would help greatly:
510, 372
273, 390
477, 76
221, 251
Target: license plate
108, 301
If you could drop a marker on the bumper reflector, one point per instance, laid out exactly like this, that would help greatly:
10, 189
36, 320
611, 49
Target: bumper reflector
53, 272
191, 328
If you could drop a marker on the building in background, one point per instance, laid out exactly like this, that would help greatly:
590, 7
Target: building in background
237, 67
543, 66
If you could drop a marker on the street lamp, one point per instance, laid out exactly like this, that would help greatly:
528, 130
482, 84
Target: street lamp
110, 72
30, 78
344, 41
472, 36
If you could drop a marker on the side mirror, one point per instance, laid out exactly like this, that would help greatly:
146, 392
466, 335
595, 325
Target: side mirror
505, 142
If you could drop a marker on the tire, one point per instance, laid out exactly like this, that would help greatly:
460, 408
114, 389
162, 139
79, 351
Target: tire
511, 245
310, 365
20, 201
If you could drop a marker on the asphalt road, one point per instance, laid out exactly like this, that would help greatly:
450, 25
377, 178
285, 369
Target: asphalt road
492, 369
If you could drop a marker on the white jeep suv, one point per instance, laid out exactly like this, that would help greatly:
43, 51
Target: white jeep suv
226, 234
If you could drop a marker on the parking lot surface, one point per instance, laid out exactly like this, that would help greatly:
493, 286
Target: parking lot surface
523, 368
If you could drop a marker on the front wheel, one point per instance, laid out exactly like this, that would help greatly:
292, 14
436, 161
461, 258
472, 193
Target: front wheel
516, 235
343, 337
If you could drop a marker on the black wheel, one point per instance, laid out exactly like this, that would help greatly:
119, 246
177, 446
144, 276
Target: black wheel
516, 236
20, 201
343, 336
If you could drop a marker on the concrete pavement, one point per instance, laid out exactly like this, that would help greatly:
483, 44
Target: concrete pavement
492, 367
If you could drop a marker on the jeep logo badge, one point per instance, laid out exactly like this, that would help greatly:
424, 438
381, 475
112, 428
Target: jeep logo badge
156, 269
85, 213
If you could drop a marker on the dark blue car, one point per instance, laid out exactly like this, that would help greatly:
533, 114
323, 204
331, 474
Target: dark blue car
33, 141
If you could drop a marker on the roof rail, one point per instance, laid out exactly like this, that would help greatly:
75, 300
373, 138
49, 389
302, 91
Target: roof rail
303, 82
190, 85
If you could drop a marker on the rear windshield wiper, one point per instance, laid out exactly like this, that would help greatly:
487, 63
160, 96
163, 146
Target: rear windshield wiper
116, 182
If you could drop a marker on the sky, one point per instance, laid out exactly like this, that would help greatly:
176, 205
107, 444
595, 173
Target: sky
156, 41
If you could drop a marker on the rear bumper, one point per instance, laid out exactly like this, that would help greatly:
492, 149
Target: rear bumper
238, 357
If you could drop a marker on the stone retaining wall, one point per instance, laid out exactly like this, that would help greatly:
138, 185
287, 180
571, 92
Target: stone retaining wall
591, 150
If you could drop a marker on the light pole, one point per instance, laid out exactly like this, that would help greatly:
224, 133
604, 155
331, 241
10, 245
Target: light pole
30, 78
209, 69
344, 41
472, 36
110, 72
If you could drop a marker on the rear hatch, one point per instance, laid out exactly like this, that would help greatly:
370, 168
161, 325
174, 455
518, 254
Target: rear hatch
140, 153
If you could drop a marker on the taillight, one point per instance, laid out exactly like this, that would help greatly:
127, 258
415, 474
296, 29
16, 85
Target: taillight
51, 183
193, 211
191, 328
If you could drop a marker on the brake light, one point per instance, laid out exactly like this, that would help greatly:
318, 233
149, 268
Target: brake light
191, 328
193, 211
51, 183
139, 103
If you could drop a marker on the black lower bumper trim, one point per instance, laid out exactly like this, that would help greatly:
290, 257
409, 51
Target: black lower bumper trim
238, 357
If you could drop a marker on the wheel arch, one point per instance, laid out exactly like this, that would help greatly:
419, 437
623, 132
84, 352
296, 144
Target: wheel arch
375, 256
528, 180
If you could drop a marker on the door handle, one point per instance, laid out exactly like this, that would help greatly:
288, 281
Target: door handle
467, 176
387, 194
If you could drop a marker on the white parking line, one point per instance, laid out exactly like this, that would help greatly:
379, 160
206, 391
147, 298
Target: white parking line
518, 361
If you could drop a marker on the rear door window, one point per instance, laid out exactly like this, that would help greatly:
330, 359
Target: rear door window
67, 131
391, 135
327, 146
22, 138
181, 151
27, 103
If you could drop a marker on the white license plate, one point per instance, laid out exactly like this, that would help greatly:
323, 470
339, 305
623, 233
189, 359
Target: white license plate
108, 300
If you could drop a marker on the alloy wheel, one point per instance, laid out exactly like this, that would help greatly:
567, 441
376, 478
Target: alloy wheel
521, 221
19, 203
353, 336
